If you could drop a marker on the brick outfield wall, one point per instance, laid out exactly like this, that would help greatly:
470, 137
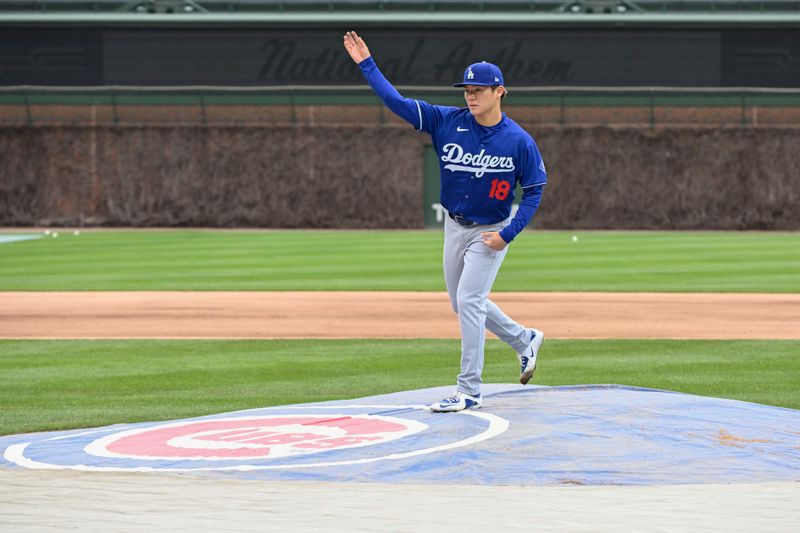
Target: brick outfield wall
535, 117
371, 177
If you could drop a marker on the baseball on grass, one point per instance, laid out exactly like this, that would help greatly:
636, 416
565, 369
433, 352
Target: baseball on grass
76, 233
55, 234
574, 238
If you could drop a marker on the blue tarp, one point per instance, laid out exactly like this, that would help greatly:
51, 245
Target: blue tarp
5, 239
534, 435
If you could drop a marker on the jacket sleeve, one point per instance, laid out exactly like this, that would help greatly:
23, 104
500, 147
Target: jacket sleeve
531, 197
533, 179
406, 108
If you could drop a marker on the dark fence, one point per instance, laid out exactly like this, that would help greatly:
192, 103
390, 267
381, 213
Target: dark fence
540, 53
357, 106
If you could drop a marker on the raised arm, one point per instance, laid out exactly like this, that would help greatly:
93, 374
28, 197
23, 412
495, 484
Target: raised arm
405, 108
356, 47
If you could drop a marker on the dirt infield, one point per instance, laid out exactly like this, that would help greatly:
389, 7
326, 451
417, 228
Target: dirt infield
390, 315
58, 501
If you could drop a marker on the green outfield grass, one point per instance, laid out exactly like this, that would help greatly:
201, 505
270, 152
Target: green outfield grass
399, 260
48, 385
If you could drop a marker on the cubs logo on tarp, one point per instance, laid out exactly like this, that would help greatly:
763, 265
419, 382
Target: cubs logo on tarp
275, 438
260, 437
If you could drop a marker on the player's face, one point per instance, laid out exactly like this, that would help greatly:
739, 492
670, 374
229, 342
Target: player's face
481, 99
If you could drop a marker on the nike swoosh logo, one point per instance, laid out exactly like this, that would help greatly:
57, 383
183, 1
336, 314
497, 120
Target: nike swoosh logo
462, 129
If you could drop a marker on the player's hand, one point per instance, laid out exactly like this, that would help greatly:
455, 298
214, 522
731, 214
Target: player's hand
493, 240
356, 47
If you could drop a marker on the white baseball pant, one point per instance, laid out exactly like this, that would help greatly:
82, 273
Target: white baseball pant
470, 268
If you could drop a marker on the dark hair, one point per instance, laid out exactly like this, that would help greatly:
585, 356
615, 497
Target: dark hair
494, 88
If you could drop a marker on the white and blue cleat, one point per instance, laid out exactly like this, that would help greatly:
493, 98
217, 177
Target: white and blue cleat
457, 402
527, 359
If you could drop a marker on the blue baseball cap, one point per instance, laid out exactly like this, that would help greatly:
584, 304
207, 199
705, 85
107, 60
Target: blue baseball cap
482, 73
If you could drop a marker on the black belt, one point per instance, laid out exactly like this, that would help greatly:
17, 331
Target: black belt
461, 220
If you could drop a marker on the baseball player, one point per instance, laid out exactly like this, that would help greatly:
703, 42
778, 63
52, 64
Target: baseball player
482, 156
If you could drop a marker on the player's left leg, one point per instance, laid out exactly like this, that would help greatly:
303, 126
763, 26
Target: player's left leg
506, 329
524, 341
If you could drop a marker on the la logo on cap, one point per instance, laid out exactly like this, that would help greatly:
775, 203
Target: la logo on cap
470, 75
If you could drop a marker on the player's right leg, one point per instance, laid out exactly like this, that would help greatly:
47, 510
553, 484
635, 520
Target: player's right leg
458, 401
481, 265
470, 268
455, 245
